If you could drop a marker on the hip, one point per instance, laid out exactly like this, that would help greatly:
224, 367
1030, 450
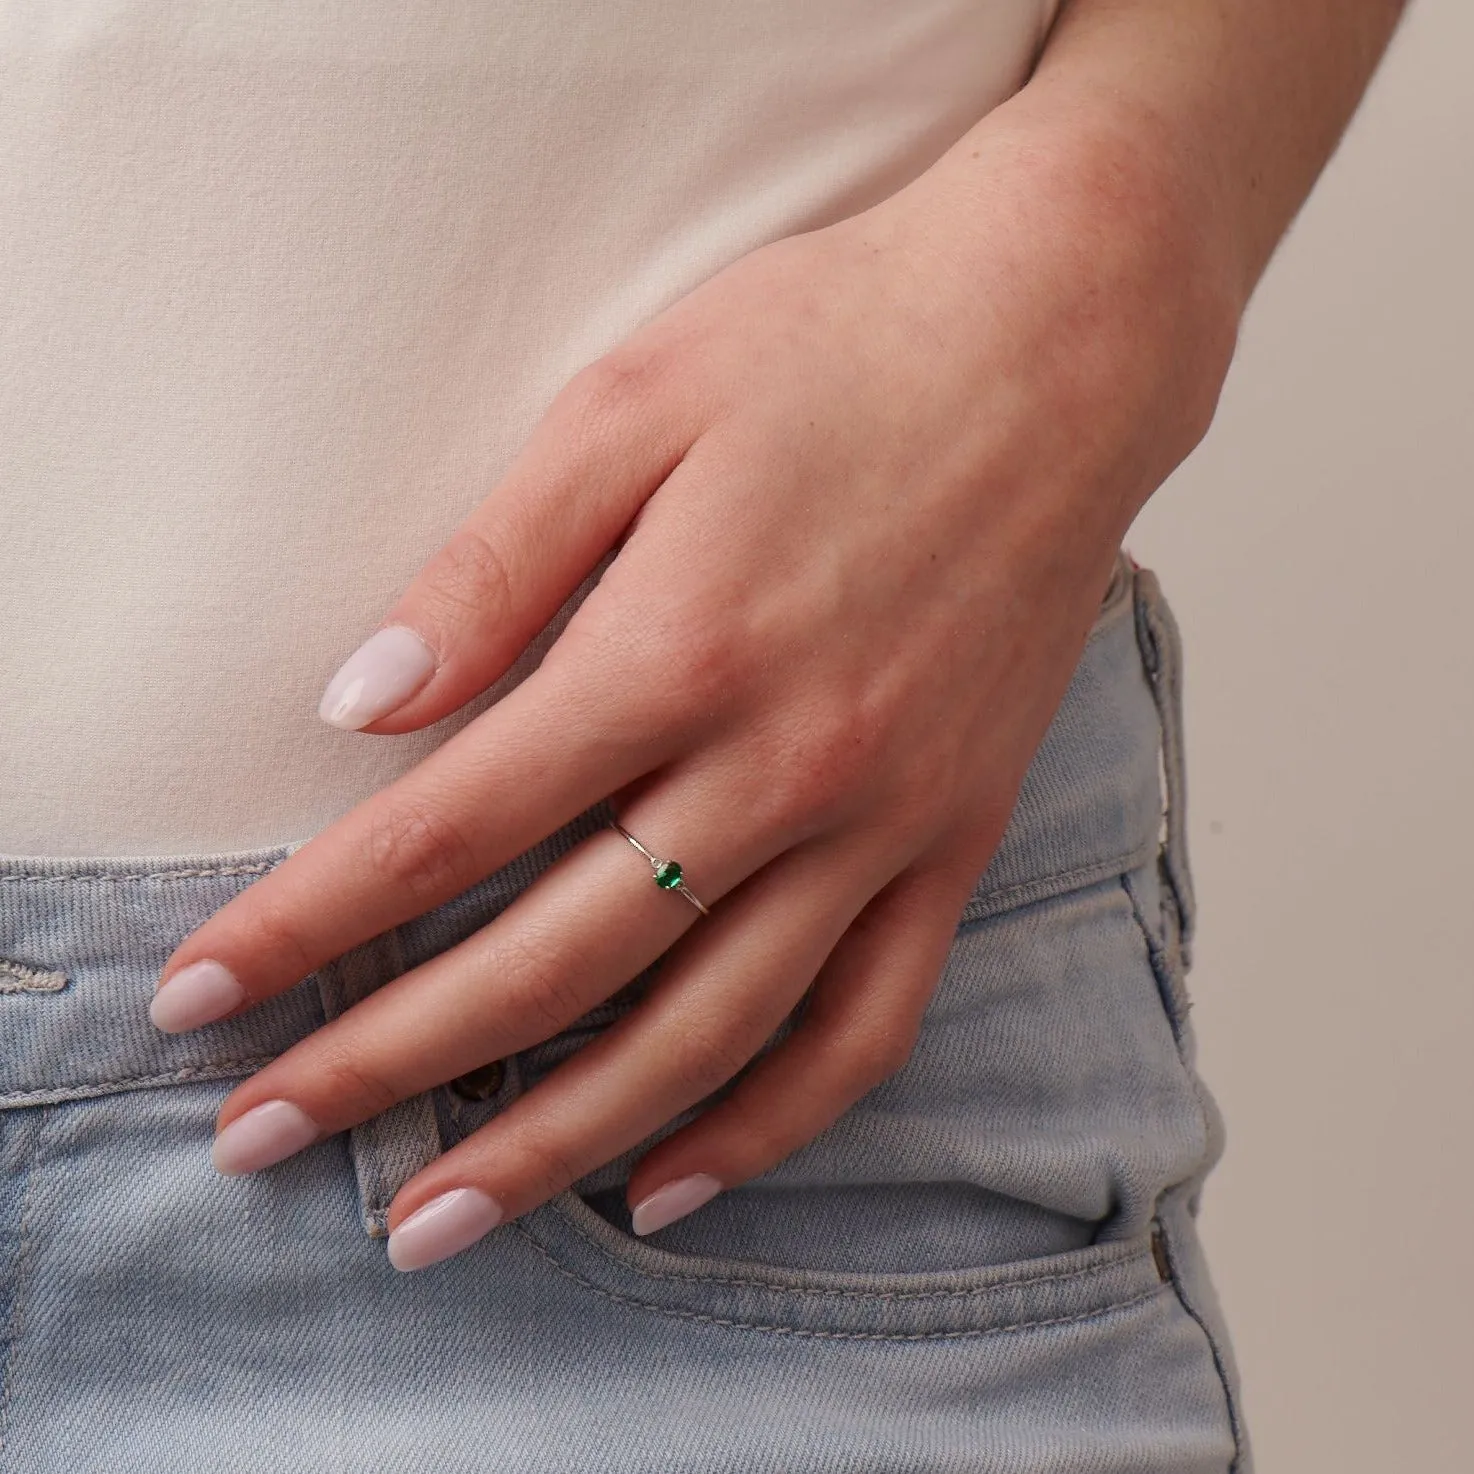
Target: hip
989, 1261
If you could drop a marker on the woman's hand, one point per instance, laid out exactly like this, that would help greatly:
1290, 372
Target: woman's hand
866, 485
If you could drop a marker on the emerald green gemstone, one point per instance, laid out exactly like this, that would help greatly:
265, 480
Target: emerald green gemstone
668, 874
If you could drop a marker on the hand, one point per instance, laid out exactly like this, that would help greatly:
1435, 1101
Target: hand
866, 487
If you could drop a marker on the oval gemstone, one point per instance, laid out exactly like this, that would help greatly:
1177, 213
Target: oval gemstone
668, 874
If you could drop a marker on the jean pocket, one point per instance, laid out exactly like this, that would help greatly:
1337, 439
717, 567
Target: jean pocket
747, 1295
1007, 1175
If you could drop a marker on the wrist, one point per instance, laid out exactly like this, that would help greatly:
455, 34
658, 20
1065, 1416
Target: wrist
1153, 229
1072, 227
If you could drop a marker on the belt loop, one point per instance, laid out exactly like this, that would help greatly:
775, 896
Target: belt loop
388, 1149
1161, 650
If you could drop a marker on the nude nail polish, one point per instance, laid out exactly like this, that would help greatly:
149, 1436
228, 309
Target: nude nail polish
265, 1135
198, 994
380, 676
444, 1226
674, 1200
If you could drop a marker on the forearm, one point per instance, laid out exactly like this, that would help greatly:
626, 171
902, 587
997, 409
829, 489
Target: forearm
1205, 120
1248, 99
1115, 215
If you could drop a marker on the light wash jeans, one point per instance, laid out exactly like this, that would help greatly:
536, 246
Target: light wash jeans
988, 1264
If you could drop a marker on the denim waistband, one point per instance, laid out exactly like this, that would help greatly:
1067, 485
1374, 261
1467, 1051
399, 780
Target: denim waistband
83, 940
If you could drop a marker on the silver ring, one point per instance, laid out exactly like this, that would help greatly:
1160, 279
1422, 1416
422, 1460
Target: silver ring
668, 875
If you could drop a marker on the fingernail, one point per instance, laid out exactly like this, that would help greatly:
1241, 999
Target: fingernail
674, 1200
197, 994
265, 1135
444, 1226
382, 674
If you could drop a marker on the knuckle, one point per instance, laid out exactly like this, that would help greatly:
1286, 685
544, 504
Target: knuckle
706, 1057
275, 935
618, 381
346, 1076
550, 1167
686, 669
547, 997
698, 665
473, 575
418, 849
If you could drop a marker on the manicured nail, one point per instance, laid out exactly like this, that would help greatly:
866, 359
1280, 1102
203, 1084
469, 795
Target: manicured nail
444, 1226
197, 994
382, 674
262, 1137
674, 1200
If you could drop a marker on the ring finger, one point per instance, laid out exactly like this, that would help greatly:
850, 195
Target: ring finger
718, 998
582, 930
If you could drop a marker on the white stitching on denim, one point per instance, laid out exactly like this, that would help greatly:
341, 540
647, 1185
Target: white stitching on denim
674, 1313
104, 876
709, 1279
16, 977
1051, 887
184, 1076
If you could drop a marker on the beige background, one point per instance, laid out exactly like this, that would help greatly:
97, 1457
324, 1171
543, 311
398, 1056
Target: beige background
1319, 552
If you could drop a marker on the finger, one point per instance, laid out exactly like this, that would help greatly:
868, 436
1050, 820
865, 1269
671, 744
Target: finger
485, 796
586, 926
727, 987
858, 1028
608, 440
641, 688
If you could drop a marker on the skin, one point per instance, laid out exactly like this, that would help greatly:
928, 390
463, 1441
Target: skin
866, 485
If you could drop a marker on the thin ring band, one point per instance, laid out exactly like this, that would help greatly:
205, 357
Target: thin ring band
667, 872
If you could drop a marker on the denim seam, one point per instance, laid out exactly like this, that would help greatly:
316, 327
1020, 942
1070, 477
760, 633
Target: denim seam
1230, 1392
1160, 967
987, 904
1230, 1401
1175, 999
185, 1076
104, 876
675, 1313
707, 1279
15, 1321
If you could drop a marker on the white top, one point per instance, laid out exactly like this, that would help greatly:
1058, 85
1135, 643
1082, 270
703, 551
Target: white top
284, 285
